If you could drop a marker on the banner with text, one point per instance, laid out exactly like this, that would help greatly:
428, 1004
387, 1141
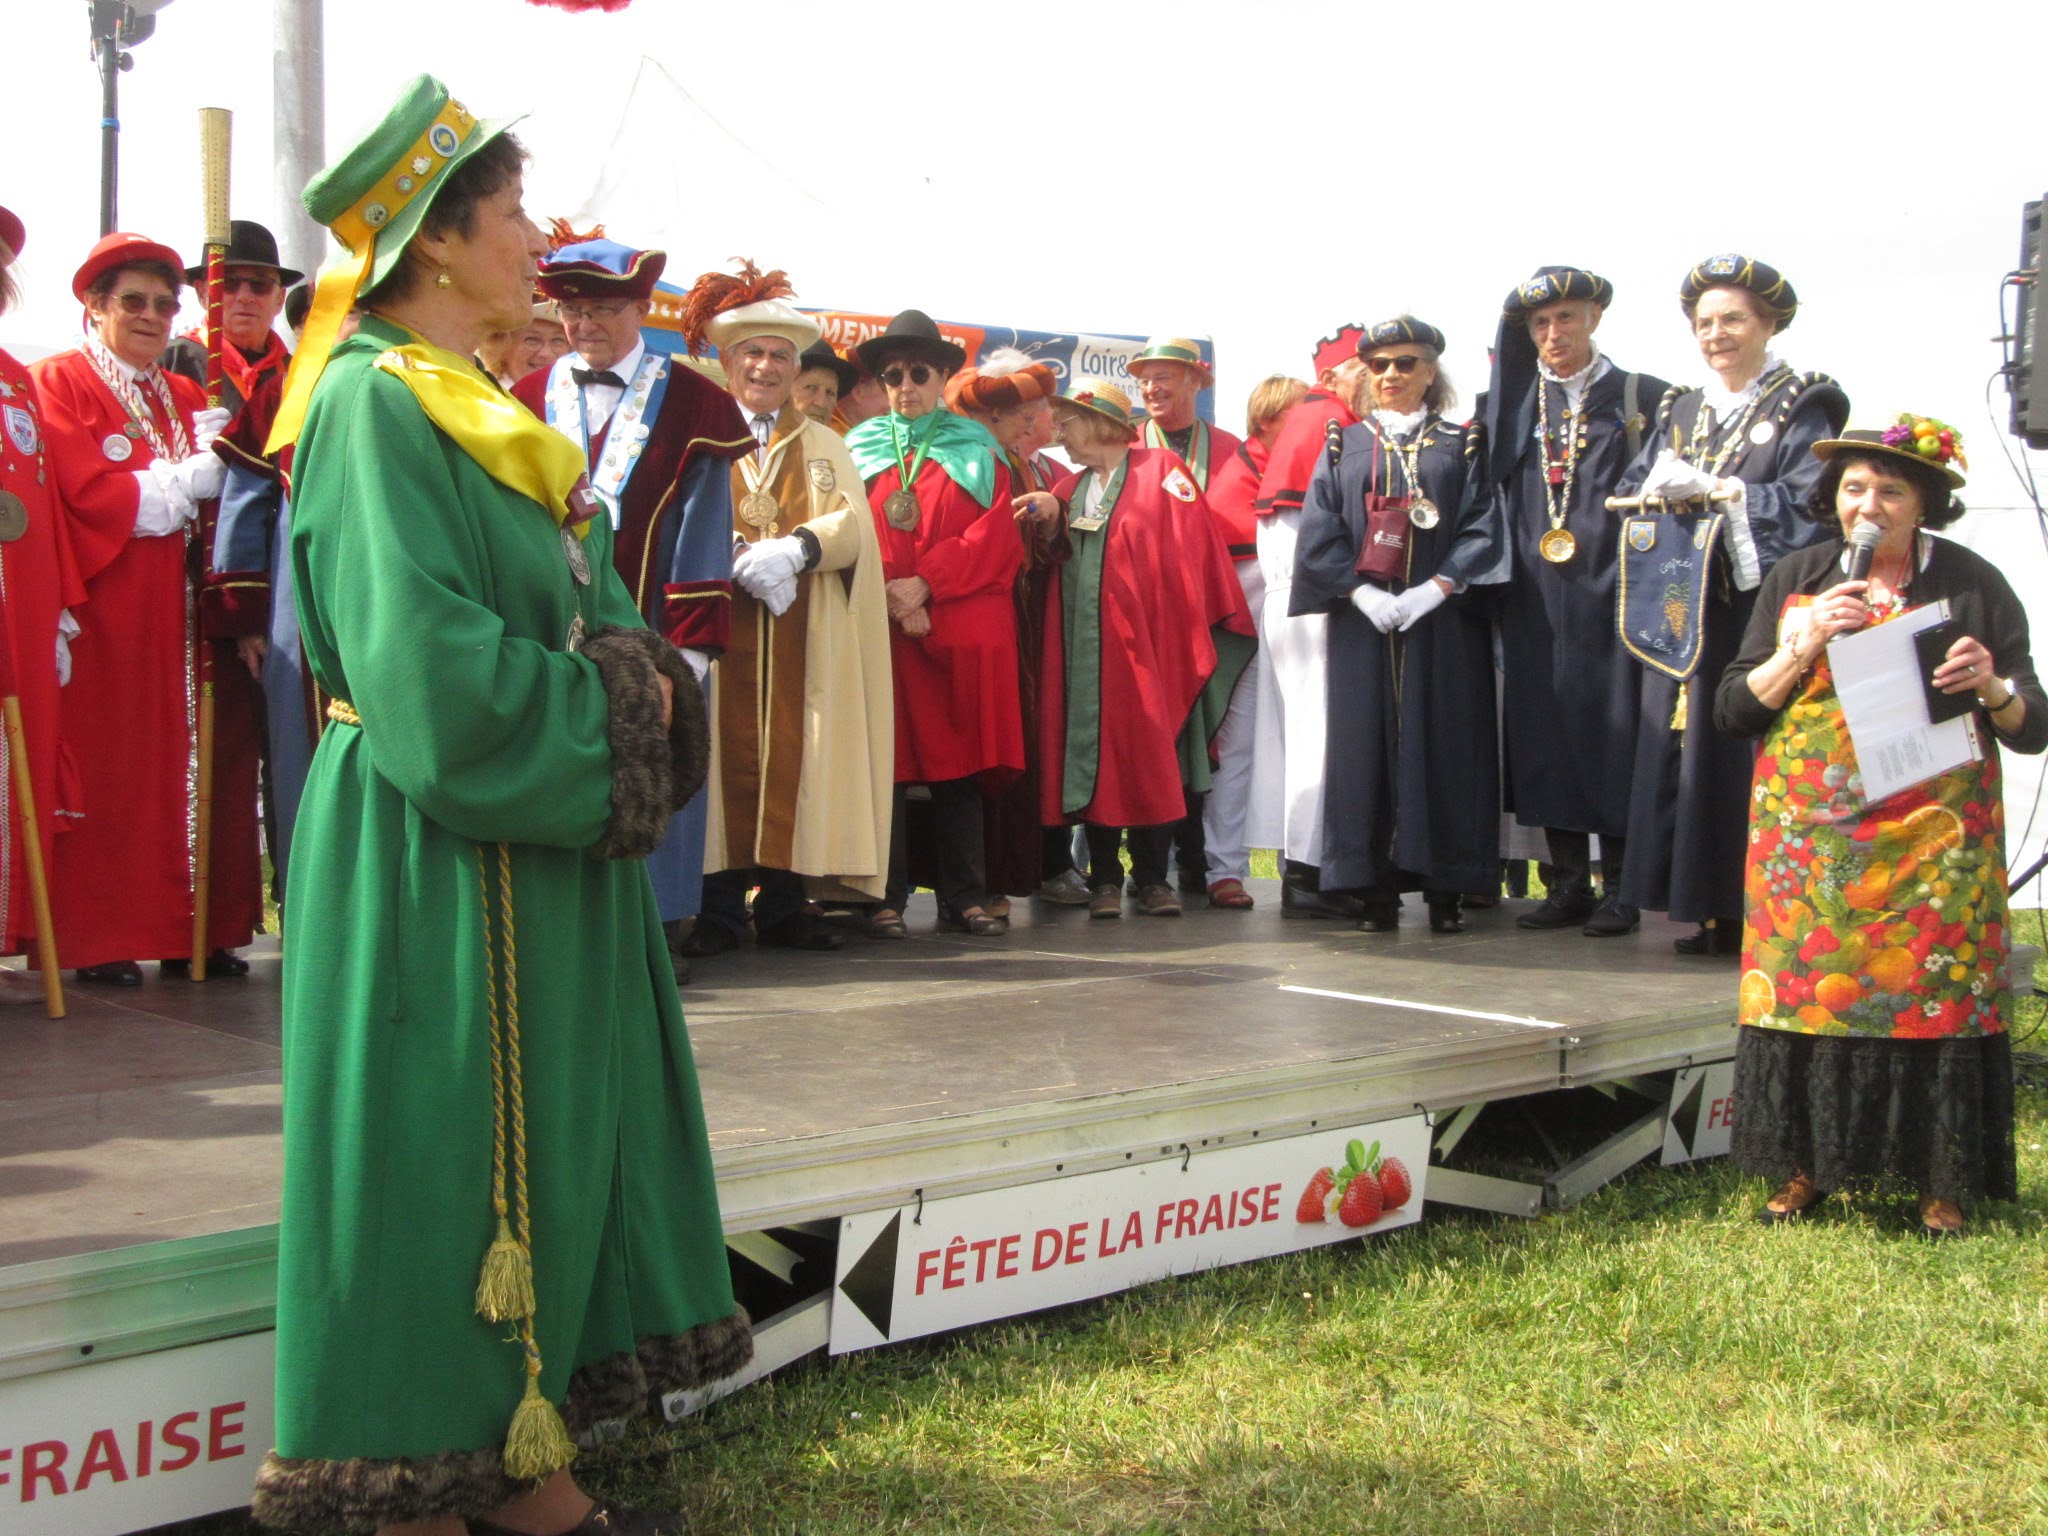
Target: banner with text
1701, 1122
131, 1444
903, 1274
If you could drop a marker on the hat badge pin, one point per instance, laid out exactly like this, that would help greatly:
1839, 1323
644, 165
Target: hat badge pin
443, 139
421, 165
375, 215
1721, 266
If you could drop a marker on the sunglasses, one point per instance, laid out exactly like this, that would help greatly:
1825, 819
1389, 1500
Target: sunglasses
918, 373
1406, 363
262, 287
165, 304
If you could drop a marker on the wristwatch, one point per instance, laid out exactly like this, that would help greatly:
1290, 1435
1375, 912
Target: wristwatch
2011, 693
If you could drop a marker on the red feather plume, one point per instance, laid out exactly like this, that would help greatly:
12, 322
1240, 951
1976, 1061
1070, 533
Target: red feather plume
561, 232
716, 292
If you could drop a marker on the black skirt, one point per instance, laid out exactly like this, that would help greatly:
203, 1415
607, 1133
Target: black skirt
1930, 1117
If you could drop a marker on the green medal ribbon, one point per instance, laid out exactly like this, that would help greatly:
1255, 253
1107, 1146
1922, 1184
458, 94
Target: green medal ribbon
1199, 448
924, 450
1081, 615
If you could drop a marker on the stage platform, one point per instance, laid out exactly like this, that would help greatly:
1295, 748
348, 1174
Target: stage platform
139, 1147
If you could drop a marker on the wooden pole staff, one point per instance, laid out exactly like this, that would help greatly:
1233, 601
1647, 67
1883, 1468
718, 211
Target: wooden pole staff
214, 130
32, 857
1658, 503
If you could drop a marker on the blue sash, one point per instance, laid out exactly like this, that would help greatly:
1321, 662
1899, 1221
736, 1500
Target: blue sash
1662, 606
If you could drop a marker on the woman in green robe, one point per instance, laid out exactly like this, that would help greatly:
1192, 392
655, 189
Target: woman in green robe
500, 1225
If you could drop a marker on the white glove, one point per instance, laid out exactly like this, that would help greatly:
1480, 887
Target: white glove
698, 663
1419, 601
67, 626
182, 485
760, 568
1381, 608
1675, 480
208, 425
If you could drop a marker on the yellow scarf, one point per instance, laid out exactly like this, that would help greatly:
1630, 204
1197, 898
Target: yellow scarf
512, 445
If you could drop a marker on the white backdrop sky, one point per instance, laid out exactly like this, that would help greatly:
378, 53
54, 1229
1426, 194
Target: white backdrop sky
1257, 172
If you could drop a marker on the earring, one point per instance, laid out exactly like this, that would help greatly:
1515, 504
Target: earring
442, 280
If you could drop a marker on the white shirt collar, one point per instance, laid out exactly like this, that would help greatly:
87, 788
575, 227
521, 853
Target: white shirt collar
1725, 403
1575, 386
1402, 426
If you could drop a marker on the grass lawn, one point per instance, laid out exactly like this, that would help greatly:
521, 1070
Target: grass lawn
1651, 1361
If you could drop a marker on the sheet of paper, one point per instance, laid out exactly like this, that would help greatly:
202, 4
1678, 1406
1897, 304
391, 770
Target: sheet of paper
1884, 700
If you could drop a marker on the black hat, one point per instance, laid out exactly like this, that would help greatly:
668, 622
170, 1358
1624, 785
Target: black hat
249, 245
916, 335
1754, 277
1391, 333
1549, 285
820, 354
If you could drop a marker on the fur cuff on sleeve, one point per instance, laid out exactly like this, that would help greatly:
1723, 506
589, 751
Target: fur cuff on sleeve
653, 774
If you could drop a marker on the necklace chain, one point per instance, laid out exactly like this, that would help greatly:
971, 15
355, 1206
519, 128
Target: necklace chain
1557, 499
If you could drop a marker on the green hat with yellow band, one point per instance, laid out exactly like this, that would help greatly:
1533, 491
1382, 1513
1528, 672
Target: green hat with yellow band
374, 199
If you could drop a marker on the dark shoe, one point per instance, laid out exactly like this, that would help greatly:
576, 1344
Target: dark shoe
222, 962
1611, 919
1723, 937
1159, 901
679, 967
1192, 883
1444, 918
1065, 889
887, 923
1298, 901
1380, 917
1107, 902
708, 938
603, 1520
980, 923
1560, 909
115, 973
798, 932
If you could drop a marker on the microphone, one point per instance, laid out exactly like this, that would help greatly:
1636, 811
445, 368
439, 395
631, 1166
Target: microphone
1863, 550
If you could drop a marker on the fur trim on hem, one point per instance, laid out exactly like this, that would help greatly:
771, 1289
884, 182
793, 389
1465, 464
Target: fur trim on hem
362, 1493
643, 781
624, 1385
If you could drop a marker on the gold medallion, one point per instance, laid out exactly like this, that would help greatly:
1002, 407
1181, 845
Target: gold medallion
902, 510
1557, 546
759, 509
13, 517
1424, 513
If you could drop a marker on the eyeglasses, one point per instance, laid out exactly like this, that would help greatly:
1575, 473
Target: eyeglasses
1406, 363
918, 373
610, 311
262, 285
165, 304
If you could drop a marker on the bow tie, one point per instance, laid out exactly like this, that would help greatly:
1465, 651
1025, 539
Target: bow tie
588, 376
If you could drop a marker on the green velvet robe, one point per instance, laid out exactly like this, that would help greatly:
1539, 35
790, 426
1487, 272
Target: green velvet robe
440, 604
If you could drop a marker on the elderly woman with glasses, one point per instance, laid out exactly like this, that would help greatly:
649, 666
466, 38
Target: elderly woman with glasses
940, 489
1396, 526
131, 447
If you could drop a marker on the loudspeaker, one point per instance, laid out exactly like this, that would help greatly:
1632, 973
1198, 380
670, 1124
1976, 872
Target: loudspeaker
2027, 362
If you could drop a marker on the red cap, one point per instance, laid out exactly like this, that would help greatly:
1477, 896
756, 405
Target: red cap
11, 232
121, 250
1335, 351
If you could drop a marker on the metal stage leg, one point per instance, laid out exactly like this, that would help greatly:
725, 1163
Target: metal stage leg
1571, 1181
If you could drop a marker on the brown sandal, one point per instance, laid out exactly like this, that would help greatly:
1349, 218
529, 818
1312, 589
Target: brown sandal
1231, 894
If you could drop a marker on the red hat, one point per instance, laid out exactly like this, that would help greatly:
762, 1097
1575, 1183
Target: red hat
11, 232
1335, 351
600, 269
122, 250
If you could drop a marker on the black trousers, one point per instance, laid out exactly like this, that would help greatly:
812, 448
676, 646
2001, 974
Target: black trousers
1149, 848
963, 861
1056, 855
1571, 856
780, 899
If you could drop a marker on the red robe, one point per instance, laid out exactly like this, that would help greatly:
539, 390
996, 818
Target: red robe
1233, 498
958, 712
1292, 464
1167, 582
122, 878
40, 582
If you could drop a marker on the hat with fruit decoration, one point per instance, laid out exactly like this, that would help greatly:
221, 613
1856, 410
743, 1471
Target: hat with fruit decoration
1920, 439
1759, 279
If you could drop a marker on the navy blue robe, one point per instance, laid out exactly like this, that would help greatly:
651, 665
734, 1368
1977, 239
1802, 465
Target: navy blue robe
1570, 693
1688, 825
1411, 786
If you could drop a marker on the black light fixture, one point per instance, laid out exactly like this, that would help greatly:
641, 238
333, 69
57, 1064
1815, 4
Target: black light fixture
116, 25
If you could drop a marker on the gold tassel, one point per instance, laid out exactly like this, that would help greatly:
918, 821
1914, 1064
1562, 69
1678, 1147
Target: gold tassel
504, 1291
1678, 715
538, 1443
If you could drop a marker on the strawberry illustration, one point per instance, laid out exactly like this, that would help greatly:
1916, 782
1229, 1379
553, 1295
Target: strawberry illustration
1313, 1198
1395, 1185
1362, 1201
